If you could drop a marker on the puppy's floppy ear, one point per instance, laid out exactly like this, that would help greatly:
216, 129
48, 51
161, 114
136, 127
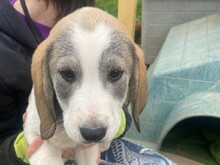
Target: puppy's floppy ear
43, 90
138, 86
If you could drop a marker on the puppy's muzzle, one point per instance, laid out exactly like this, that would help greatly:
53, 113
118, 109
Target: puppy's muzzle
93, 134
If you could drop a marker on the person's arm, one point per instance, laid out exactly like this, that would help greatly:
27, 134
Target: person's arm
7, 152
13, 145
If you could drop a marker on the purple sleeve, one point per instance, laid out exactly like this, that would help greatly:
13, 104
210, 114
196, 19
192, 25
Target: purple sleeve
12, 1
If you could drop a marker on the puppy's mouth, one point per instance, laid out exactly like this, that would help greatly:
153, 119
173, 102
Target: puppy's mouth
93, 134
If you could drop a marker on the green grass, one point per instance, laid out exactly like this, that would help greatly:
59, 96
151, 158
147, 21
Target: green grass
139, 9
111, 6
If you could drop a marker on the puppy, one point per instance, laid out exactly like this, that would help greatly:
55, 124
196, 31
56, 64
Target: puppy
82, 74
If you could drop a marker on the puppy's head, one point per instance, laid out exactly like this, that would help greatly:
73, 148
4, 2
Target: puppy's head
83, 72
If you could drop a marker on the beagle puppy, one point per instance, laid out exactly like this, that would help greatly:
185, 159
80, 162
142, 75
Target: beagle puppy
82, 74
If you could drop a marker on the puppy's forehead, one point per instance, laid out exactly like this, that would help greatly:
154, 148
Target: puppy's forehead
91, 41
91, 35
82, 41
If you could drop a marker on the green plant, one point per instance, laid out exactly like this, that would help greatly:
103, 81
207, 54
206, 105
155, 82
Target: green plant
111, 6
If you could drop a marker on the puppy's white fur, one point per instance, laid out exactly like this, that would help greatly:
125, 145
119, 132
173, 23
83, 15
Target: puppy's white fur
92, 99
90, 102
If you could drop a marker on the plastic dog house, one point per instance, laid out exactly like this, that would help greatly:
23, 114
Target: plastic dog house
183, 80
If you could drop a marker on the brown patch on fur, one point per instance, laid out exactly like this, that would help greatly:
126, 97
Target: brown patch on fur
138, 87
47, 117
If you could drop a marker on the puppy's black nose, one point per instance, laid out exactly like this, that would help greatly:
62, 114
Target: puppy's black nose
93, 135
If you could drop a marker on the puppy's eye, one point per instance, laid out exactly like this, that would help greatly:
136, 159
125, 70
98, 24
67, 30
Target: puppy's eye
68, 75
115, 75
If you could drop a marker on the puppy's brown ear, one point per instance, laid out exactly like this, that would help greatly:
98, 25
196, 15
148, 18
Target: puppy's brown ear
138, 86
43, 91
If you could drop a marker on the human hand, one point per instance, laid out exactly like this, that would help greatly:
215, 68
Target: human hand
32, 148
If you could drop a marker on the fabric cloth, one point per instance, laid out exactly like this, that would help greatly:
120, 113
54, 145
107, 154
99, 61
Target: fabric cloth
124, 152
7, 152
20, 147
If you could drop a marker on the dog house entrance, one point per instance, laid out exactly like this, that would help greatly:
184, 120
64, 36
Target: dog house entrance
196, 138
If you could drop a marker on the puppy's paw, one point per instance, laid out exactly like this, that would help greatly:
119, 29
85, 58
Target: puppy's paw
45, 161
46, 155
88, 156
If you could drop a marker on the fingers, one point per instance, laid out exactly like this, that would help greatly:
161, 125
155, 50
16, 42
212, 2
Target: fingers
36, 143
34, 146
24, 117
98, 160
